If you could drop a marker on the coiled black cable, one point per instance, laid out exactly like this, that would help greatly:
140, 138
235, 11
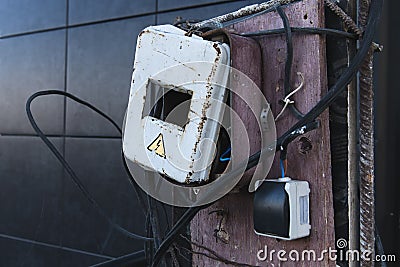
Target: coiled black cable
67, 167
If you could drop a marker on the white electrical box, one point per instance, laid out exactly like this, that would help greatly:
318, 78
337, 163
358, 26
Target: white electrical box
178, 84
281, 208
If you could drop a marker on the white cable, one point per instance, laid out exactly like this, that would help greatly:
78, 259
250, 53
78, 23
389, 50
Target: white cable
287, 100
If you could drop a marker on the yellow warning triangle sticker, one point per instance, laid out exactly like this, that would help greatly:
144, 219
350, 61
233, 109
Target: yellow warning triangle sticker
158, 146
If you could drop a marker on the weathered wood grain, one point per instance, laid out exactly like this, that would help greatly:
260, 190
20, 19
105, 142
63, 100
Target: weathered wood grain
303, 164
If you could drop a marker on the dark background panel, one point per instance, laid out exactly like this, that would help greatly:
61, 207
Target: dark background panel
85, 11
31, 183
387, 93
100, 64
20, 16
164, 5
200, 13
24, 253
18, 253
98, 163
28, 64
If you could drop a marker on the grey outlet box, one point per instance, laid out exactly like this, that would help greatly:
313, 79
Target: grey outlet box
281, 208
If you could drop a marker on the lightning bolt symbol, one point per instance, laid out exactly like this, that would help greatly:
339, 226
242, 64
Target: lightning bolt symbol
158, 146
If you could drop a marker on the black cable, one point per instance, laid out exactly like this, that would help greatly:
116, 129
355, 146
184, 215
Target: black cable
192, 211
138, 190
185, 219
307, 30
340, 86
65, 164
309, 117
379, 246
148, 246
342, 82
165, 215
175, 231
153, 215
289, 60
346, 77
293, 135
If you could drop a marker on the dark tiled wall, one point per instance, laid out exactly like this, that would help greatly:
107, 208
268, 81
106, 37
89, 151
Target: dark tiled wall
30, 63
85, 47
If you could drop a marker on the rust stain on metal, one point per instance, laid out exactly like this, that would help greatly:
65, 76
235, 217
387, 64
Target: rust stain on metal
143, 32
148, 31
215, 45
205, 107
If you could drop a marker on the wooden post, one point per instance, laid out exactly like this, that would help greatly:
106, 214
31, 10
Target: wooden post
308, 156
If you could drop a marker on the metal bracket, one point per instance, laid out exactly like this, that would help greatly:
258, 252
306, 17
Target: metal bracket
264, 118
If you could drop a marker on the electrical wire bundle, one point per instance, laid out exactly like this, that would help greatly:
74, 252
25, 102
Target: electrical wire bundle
305, 123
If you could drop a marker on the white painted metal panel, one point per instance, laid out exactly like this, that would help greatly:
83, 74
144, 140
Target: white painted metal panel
197, 67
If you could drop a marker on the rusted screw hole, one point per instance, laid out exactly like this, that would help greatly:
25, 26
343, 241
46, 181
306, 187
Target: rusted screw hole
305, 16
304, 145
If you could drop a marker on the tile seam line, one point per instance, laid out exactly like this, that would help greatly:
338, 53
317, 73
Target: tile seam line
61, 204
61, 136
9, 36
26, 240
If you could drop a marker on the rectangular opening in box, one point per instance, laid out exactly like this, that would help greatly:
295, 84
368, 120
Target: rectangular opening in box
167, 103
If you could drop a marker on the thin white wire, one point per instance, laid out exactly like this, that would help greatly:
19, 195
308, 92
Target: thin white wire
287, 100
